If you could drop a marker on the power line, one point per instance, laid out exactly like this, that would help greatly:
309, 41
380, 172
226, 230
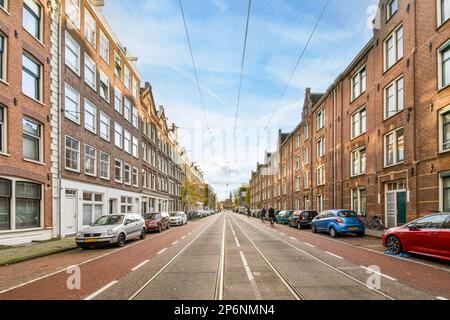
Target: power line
242, 64
298, 62
194, 65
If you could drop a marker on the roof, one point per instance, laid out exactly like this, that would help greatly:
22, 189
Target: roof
316, 97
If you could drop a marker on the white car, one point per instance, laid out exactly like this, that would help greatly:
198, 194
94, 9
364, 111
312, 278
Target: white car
178, 219
112, 229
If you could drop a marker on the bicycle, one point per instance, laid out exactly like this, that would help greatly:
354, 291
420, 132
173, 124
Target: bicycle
373, 223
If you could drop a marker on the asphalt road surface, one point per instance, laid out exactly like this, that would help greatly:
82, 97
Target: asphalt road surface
230, 257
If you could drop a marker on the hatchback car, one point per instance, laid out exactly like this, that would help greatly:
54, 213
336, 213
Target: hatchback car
112, 229
337, 222
428, 236
284, 216
302, 219
178, 218
157, 221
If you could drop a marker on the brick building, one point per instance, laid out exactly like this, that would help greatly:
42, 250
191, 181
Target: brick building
378, 140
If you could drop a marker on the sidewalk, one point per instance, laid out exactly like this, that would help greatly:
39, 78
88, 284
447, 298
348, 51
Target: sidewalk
35, 250
374, 233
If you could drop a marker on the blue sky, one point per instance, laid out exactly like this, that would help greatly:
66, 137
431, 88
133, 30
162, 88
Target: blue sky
153, 31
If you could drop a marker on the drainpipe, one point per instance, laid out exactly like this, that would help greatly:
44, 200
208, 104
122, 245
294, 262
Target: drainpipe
59, 118
334, 147
416, 157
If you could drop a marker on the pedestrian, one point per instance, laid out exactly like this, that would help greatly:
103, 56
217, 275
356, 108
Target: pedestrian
262, 215
271, 215
248, 213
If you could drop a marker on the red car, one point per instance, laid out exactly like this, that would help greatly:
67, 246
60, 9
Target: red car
157, 221
428, 236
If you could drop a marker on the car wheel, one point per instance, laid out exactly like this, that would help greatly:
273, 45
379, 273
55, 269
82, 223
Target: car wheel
394, 245
159, 229
313, 229
299, 226
83, 247
333, 233
143, 234
121, 240
168, 226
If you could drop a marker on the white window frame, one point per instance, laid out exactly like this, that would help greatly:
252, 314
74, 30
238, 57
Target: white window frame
395, 148
389, 12
321, 147
127, 141
118, 100
125, 172
118, 136
135, 88
361, 164
87, 126
306, 180
3, 130
104, 47
306, 156
320, 178
360, 81
127, 109
4, 59
306, 132
108, 166
361, 121
105, 124
76, 50
75, 118
118, 65
94, 158
73, 12
442, 112
5, 5
29, 4
397, 55
121, 170
320, 202
135, 117
439, 6
90, 67
397, 98
441, 49
90, 28
77, 151
39, 139
40, 67
104, 80
321, 119
358, 193
135, 147
127, 77
135, 173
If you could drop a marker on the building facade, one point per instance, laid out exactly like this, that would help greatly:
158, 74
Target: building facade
377, 141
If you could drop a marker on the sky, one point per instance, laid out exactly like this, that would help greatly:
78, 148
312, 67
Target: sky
153, 31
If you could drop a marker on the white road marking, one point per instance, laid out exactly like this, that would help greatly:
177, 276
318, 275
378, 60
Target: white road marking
220, 277
441, 298
246, 266
334, 255
174, 243
234, 234
283, 234
379, 273
183, 237
310, 245
140, 265
96, 293
292, 238
159, 252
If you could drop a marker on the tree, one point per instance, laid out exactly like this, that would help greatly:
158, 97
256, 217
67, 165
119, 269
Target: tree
190, 194
247, 197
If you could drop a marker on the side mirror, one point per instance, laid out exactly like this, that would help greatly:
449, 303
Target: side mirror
413, 227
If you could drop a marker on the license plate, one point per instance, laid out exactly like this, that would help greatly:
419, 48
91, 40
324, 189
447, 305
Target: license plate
353, 228
90, 240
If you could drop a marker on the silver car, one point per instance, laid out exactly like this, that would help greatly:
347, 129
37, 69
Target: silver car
178, 219
112, 229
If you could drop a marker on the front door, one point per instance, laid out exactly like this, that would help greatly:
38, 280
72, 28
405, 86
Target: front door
391, 209
401, 208
71, 213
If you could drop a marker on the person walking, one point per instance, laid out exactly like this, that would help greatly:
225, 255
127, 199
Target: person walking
271, 215
248, 212
262, 215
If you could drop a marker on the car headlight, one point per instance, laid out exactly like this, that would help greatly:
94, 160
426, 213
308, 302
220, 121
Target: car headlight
110, 233
79, 234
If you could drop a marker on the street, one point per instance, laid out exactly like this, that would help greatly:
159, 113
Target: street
230, 257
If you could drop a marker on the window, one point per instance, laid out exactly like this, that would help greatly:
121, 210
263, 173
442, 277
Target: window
359, 201
3, 55
359, 83
72, 54
104, 165
118, 100
73, 11
28, 205
321, 147
72, 154
105, 124
2, 131
118, 135
320, 200
90, 72
358, 159
359, 123
90, 28
104, 86
306, 132
135, 178
306, 180
32, 18
321, 175
104, 47
444, 128
126, 205
135, 88
127, 141
72, 104
320, 119
90, 116
394, 148
118, 65
5, 204
393, 47
127, 109
31, 77
127, 78
297, 163
32, 136
297, 141
134, 148
4, 5
127, 174
394, 98
431, 222
92, 207
392, 8
444, 65
306, 157
90, 161
118, 167
297, 184
443, 11
135, 118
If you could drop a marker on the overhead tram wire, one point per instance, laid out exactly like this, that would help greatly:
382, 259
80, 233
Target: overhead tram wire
242, 64
298, 62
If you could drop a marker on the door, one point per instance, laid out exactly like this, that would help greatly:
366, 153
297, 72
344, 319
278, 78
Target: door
401, 208
391, 209
71, 214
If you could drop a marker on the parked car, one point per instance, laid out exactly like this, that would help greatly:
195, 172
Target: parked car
112, 229
157, 221
302, 219
337, 222
428, 236
178, 218
284, 216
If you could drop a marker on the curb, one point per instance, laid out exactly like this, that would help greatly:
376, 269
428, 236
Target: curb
35, 256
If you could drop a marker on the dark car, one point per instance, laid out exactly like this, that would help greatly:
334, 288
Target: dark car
157, 221
302, 219
428, 236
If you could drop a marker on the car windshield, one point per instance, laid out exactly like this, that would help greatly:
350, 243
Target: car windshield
109, 220
175, 214
151, 216
348, 214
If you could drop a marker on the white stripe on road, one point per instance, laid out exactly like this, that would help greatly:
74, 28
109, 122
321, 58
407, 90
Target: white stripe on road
183, 237
292, 238
441, 298
140, 265
250, 277
234, 234
379, 273
308, 244
174, 243
162, 250
334, 255
96, 293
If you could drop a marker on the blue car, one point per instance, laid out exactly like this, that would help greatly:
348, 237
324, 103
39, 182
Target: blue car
337, 222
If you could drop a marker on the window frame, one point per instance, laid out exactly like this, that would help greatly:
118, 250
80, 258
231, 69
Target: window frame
321, 119
87, 58
116, 161
362, 83
102, 116
441, 71
39, 19
320, 146
104, 46
116, 140
70, 39
3, 130
358, 192
102, 162
362, 122
361, 164
94, 114
39, 138
389, 13
77, 118
320, 172
394, 146
395, 85
441, 113
78, 152
440, 13
94, 158
103, 77
37, 78
397, 57
69, 4
3, 57
88, 19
